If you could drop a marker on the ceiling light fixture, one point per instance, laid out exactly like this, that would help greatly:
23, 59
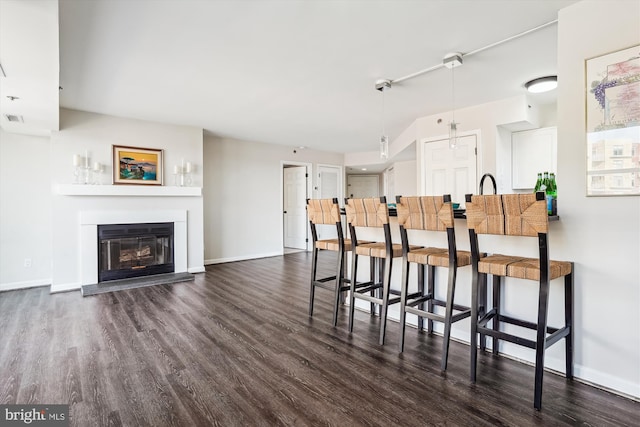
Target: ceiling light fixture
383, 85
453, 60
542, 84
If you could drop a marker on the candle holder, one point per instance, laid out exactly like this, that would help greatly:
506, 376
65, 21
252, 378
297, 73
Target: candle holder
81, 169
182, 174
97, 173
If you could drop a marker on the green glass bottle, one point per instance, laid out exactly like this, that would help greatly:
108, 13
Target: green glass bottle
554, 194
538, 183
546, 187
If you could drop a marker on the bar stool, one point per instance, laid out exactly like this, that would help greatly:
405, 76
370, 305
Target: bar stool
430, 213
327, 211
372, 212
523, 215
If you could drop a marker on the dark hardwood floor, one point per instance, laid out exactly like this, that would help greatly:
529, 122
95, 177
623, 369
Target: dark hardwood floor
237, 348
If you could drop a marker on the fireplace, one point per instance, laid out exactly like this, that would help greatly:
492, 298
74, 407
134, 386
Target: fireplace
135, 250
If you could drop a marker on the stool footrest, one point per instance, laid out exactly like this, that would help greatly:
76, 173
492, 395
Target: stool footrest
367, 287
555, 333
556, 336
376, 300
524, 323
325, 285
503, 336
437, 317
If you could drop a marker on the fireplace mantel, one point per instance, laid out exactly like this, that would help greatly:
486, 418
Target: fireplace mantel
126, 190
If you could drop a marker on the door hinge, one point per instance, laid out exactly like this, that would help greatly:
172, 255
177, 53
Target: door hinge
306, 175
476, 150
306, 240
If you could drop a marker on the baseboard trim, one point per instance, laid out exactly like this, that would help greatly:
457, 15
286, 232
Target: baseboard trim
24, 285
194, 270
241, 258
65, 287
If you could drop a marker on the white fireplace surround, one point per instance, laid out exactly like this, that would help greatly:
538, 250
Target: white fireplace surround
89, 221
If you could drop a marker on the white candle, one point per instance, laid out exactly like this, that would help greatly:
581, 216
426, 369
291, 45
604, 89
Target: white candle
77, 160
176, 169
87, 161
188, 169
97, 167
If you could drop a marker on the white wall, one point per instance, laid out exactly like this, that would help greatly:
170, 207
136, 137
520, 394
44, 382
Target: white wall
80, 131
25, 211
406, 181
242, 193
601, 234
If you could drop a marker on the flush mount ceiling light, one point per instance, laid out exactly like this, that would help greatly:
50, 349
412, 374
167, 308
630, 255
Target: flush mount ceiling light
543, 84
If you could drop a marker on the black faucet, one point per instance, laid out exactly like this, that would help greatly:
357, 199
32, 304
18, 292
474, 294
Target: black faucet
493, 181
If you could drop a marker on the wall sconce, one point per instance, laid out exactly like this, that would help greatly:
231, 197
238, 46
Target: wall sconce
182, 174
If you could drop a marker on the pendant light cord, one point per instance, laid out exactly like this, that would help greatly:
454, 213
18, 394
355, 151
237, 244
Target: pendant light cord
453, 95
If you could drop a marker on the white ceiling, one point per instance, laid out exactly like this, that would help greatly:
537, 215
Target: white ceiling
293, 72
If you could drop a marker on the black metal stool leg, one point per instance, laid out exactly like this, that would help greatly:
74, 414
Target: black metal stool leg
473, 339
495, 343
403, 302
451, 289
373, 268
352, 293
482, 294
543, 304
337, 293
384, 307
568, 322
314, 269
420, 268
431, 280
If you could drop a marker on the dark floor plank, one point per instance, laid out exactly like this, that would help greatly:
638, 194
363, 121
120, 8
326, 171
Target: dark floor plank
236, 347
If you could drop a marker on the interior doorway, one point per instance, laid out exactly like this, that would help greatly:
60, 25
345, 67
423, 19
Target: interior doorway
361, 186
295, 191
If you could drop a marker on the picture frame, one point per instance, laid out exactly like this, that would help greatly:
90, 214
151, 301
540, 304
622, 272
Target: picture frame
613, 123
137, 166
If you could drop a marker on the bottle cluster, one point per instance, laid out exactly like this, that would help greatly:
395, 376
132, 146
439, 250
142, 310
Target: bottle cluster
547, 183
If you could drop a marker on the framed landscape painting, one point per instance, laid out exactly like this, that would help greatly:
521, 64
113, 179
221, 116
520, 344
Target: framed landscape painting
138, 166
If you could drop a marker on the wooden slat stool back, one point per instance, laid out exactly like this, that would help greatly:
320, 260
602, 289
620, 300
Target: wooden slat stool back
372, 212
430, 213
327, 211
523, 215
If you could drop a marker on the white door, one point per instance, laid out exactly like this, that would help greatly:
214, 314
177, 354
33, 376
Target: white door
450, 170
330, 183
295, 207
360, 186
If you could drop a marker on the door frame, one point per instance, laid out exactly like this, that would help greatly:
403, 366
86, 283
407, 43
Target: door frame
420, 156
309, 167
